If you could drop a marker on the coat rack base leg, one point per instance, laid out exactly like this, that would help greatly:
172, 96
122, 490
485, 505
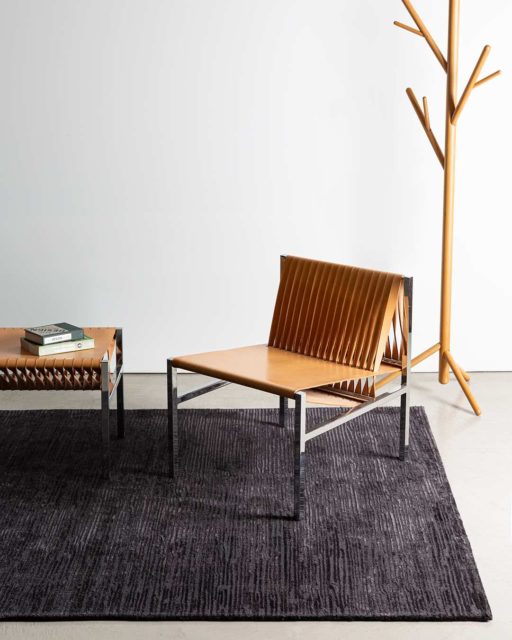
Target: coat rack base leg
458, 372
461, 376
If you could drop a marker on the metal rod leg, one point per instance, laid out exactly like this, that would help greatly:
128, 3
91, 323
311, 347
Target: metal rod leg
283, 406
172, 417
299, 454
120, 384
404, 425
120, 407
105, 416
406, 373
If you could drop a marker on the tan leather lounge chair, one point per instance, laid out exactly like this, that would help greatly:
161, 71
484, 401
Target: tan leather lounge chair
335, 330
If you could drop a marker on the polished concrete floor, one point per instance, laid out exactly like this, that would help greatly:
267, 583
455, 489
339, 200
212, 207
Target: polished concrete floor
477, 454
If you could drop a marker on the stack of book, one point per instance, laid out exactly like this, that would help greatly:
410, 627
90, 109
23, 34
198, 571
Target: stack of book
55, 338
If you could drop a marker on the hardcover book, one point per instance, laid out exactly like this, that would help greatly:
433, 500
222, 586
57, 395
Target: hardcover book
58, 347
51, 333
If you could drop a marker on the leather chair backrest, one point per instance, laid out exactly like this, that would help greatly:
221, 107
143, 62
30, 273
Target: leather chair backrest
334, 312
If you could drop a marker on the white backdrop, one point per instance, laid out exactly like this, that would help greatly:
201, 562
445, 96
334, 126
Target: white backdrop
157, 156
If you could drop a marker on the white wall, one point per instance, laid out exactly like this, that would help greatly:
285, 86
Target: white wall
157, 156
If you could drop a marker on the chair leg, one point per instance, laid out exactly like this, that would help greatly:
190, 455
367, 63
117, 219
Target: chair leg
172, 417
299, 461
406, 372
105, 419
404, 425
120, 407
283, 406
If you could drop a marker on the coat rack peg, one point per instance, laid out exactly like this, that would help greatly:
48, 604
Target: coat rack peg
408, 28
471, 83
426, 34
487, 78
426, 112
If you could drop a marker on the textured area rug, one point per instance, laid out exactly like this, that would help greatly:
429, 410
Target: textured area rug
381, 539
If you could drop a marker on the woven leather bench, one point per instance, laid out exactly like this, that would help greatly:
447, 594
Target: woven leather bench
76, 371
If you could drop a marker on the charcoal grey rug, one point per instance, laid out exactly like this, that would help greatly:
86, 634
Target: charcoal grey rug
381, 539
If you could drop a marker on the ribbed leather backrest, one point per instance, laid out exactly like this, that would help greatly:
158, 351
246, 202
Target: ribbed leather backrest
334, 312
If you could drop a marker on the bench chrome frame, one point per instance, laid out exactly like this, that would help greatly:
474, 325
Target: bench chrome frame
106, 395
301, 436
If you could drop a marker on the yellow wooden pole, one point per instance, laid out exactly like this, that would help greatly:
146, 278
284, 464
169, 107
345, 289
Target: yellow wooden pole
449, 187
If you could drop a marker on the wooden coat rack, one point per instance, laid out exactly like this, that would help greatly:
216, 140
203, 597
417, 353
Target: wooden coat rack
454, 108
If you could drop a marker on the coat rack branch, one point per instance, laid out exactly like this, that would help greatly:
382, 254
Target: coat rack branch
424, 118
471, 83
424, 32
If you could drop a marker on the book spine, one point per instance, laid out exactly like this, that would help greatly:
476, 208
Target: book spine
52, 349
61, 337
